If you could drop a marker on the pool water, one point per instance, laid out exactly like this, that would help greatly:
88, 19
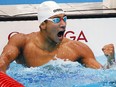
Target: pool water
60, 73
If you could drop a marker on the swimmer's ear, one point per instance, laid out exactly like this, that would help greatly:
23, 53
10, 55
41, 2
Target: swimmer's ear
43, 25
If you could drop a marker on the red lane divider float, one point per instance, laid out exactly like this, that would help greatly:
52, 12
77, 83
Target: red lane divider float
7, 81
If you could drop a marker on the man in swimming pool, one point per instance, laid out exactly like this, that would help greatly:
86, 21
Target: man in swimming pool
38, 48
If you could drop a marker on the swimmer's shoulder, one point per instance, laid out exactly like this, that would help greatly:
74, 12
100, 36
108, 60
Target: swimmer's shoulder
23, 36
18, 36
74, 42
66, 40
19, 39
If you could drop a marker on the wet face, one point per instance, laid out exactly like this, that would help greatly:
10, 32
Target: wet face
56, 27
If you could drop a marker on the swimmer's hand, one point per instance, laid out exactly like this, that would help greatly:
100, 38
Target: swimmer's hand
110, 54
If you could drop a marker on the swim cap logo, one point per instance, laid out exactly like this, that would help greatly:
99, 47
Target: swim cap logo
56, 10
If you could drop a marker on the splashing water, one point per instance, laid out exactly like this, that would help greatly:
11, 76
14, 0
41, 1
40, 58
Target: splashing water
60, 73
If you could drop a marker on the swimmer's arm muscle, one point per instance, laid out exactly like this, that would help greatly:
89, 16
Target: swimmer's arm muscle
88, 58
11, 51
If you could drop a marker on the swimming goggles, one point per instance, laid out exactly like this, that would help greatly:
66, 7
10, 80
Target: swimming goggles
57, 20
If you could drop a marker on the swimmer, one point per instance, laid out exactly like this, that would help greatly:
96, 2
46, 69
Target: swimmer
38, 48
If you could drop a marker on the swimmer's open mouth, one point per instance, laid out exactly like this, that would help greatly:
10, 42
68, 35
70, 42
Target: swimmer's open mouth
61, 33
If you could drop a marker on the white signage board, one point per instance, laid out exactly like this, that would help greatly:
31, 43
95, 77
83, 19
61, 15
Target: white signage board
94, 32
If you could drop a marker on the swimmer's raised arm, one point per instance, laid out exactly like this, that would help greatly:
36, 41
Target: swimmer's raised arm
87, 57
11, 51
89, 60
83, 54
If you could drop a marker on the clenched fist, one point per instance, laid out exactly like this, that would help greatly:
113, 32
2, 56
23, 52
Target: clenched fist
110, 54
108, 50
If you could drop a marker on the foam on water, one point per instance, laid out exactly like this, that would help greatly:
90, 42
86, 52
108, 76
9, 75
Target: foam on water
60, 73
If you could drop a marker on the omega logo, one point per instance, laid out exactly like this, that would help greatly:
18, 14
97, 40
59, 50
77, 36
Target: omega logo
72, 36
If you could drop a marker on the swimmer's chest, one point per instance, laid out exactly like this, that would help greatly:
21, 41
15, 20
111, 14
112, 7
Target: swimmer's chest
38, 55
